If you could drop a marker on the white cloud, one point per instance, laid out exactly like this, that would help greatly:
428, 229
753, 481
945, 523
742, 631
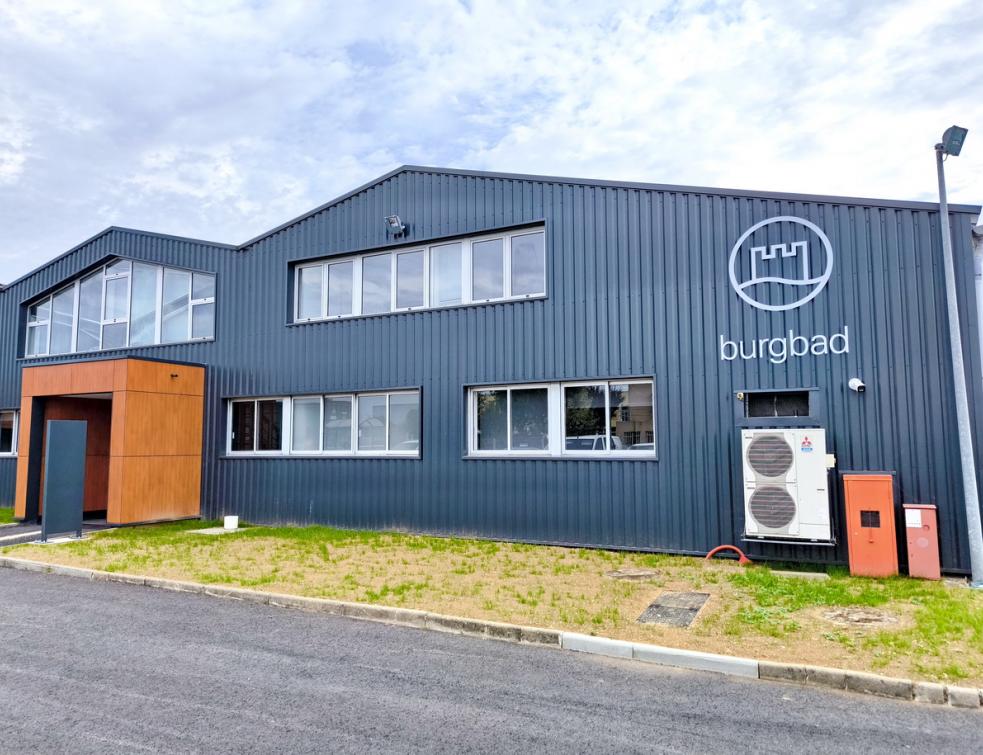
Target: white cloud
221, 120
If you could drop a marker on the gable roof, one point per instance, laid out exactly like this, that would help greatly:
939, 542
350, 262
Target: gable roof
715, 191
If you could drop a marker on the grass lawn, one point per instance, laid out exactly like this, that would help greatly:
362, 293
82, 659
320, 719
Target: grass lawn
936, 631
6, 515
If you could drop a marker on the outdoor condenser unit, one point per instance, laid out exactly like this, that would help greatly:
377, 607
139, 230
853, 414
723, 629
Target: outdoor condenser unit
786, 494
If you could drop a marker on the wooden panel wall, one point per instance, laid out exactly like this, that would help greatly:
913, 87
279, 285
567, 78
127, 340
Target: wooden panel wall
154, 445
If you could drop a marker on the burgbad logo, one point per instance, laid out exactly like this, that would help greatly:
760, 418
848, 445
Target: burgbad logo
776, 265
785, 263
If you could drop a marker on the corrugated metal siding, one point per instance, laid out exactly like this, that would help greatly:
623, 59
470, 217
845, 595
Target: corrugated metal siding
637, 286
8, 480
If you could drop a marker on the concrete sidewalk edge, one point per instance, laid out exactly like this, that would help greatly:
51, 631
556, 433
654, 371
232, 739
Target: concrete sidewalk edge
818, 676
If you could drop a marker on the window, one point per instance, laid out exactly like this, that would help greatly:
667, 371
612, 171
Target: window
256, 426
609, 418
369, 424
123, 304
8, 433
376, 276
489, 268
410, 293
446, 265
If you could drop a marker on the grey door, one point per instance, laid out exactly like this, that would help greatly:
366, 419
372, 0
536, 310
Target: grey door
64, 477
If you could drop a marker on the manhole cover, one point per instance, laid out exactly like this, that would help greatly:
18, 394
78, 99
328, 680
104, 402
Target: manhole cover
864, 617
633, 574
674, 609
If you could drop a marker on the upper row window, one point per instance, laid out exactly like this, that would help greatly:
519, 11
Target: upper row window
470, 271
123, 304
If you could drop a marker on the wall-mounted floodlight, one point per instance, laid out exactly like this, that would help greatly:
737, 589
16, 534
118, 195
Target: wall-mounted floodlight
394, 225
952, 140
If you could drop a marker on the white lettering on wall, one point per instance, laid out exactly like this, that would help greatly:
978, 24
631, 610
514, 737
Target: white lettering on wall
778, 350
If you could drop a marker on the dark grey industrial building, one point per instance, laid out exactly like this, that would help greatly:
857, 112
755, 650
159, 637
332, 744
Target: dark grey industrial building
521, 357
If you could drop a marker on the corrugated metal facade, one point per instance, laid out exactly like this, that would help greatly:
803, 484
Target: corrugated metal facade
637, 286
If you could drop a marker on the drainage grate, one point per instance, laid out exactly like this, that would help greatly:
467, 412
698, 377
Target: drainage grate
674, 609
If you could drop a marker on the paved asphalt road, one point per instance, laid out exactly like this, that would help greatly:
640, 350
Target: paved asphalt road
98, 667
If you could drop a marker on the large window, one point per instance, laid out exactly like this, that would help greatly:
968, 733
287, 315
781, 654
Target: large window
597, 419
8, 433
489, 268
124, 303
360, 424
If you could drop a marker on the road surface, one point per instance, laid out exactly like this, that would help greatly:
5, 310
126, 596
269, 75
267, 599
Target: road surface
100, 667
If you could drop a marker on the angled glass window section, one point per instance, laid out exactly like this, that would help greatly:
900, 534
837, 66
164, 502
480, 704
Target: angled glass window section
175, 306
143, 305
62, 317
124, 303
90, 313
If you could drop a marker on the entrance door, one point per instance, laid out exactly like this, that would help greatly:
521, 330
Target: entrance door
64, 478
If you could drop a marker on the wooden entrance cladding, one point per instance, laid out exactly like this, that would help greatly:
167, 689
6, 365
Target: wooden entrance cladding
155, 439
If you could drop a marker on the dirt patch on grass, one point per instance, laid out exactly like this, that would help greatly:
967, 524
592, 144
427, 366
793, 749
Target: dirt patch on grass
750, 612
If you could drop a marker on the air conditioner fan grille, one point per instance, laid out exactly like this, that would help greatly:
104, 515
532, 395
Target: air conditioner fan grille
770, 455
772, 507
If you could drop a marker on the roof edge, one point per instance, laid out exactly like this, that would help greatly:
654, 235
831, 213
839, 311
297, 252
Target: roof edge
750, 193
105, 232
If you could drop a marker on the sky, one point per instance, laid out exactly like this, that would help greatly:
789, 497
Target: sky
220, 120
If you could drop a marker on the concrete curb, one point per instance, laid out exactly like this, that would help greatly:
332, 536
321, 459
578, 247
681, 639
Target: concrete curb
815, 676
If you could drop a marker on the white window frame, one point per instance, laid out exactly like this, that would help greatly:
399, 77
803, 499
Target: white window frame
192, 303
557, 421
286, 436
14, 434
105, 275
467, 282
286, 426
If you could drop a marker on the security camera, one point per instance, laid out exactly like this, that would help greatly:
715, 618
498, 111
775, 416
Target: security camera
856, 384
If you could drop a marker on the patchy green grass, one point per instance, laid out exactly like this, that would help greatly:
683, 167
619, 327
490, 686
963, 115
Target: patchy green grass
6, 515
937, 630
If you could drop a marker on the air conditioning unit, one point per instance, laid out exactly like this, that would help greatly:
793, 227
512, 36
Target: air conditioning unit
786, 495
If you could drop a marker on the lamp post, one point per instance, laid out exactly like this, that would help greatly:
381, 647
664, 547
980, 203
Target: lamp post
951, 144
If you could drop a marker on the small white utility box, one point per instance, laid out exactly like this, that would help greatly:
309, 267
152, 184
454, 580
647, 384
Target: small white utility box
231, 522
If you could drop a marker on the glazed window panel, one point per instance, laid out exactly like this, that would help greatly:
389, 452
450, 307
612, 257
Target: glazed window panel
309, 293
376, 282
488, 269
62, 314
341, 289
404, 422
306, 424
446, 267
123, 304
528, 264
338, 423
410, 291
8, 432
372, 423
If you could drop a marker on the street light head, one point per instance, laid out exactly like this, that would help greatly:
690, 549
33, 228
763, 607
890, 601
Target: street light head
952, 140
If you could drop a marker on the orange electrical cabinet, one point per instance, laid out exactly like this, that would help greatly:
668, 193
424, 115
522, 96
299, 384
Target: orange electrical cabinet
871, 534
921, 525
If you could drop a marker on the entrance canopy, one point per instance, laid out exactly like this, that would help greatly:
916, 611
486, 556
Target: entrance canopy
143, 456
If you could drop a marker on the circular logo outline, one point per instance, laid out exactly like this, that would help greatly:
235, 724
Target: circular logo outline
823, 279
